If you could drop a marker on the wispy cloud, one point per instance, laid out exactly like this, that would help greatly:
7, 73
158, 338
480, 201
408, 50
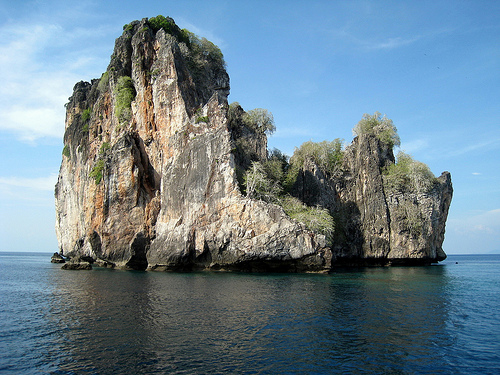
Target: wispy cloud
490, 143
390, 43
486, 222
373, 43
415, 145
37, 183
39, 65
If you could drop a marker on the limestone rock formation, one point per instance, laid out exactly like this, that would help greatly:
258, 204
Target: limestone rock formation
157, 188
77, 264
372, 220
57, 258
150, 176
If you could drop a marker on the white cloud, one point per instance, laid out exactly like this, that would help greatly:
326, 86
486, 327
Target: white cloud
33, 95
390, 43
473, 233
415, 145
486, 222
46, 183
40, 63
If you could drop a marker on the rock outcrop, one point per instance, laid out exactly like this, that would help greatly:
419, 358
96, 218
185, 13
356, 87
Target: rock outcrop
159, 190
57, 258
77, 264
149, 176
377, 225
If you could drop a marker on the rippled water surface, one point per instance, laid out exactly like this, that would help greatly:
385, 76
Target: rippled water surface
441, 319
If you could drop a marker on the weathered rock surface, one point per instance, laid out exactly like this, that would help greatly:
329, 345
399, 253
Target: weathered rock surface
168, 197
57, 258
372, 221
160, 190
78, 264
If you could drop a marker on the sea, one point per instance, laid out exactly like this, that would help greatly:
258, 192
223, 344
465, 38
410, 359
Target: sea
439, 319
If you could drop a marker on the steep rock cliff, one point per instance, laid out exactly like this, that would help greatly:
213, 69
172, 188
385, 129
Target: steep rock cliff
152, 171
151, 183
376, 225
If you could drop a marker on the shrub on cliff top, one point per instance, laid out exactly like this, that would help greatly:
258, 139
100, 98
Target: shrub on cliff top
260, 120
327, 155
201, 50
408, 174
380, 126
168, 24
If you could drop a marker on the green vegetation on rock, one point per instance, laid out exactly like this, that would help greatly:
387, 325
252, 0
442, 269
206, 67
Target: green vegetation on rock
128, 27
201, 48
86, 115
317, 219
103, 82
258, 185
168, 24
66, 151
408, 175
85, 119
260, 120
202, 119
96, 172
380, 126
104, 147
125, 95
327, 155
409, 215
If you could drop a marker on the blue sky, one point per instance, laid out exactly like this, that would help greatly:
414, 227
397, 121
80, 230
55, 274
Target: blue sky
433, 67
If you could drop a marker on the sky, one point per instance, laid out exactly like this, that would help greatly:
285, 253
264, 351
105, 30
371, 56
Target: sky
433, 67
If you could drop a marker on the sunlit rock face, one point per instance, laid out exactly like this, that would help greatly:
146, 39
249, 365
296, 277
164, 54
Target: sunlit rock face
158, 189
148, 178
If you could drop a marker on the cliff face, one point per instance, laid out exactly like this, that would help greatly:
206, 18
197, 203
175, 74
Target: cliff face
159, 190
377, 225
149, 178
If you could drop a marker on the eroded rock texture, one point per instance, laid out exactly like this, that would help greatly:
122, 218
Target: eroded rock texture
160, 190
376, 225
153, 185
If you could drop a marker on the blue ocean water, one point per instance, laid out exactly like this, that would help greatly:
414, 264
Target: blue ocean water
442, 319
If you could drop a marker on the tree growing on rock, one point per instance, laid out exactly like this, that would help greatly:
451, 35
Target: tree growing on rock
261, 120
380, 126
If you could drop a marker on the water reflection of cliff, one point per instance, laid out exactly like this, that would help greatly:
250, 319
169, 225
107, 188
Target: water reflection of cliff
374, 320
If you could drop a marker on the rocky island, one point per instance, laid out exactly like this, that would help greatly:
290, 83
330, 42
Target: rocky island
159, 172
